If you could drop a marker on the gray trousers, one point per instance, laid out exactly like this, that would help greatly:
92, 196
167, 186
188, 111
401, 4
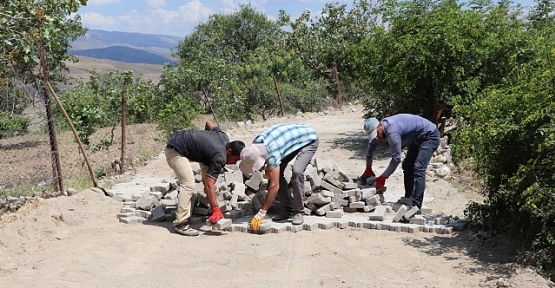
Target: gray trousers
302, 159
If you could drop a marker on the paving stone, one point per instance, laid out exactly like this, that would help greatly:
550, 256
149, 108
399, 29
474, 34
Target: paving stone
410, 213
333, 181
357, 205
325, 226
279, 230
142, 213
378, 213
335, 214
220, 224
130, 204
127, 210
426, 210
418, 219
318, 199
326, 185
160, 188
132, 220
125, 215
234, 176
295, 228
310, 226
341, 224
399, 215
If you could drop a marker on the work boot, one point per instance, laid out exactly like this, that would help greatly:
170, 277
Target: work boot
284, 215
185, 230
298, 219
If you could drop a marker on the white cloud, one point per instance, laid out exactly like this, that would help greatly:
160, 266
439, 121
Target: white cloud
101, 2
173, 22
155, 3
194, 12
92, 19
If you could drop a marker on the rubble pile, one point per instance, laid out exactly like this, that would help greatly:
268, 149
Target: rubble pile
336, 198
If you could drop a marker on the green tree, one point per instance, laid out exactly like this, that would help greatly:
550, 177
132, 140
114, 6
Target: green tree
517, 118
325, 42
436, 51
97, 102
24, 25
229, 37
209, 60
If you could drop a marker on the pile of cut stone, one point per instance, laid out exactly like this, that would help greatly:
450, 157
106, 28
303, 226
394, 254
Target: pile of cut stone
333, 198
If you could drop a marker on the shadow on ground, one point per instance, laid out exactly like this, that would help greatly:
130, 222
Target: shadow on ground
492, 254
358, 143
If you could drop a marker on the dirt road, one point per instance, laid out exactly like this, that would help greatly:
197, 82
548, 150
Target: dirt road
78, 242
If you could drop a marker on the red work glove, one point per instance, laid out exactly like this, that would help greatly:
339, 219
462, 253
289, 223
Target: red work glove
367, 173
380, 182
216, 215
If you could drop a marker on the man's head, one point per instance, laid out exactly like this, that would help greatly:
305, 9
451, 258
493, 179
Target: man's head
253, 158
233, 150
371, 127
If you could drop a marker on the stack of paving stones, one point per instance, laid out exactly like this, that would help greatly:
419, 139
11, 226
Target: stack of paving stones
332, 198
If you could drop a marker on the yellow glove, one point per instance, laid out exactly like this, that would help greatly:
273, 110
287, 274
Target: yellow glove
257, 220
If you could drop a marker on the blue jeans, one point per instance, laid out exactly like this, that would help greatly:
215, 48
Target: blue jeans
415, 164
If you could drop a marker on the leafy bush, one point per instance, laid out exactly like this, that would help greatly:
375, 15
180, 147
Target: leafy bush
98, 102
509, 133
13, 125
178, 114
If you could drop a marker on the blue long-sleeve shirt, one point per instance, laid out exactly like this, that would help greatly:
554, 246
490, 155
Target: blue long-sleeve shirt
399, 129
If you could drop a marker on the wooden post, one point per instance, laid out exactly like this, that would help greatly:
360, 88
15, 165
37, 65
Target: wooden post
91, 172
123, 124
210, 104
57, 181
279, 96
339, 95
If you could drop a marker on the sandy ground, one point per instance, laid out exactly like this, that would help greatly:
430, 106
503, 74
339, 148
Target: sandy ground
78, 242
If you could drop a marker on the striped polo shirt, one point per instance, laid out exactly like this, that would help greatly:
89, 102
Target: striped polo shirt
283, 139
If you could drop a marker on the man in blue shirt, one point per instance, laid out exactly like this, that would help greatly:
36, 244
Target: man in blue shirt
424, 138
276, 147
212, 150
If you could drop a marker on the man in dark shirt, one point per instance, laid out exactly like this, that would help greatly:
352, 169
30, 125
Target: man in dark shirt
212, 150
423, 137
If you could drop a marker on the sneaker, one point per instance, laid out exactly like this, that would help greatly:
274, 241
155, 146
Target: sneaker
185, 230
298, 219
284, 215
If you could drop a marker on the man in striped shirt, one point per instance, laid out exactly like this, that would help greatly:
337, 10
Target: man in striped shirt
276, 147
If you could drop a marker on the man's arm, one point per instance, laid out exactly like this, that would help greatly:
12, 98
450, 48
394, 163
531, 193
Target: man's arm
209, 183
272, 188
209, 125
395, 144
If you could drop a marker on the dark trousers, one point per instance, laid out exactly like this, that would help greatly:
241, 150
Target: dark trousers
303, 157
415, 164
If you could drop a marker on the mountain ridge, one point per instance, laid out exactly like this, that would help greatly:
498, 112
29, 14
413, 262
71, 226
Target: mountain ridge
139, 47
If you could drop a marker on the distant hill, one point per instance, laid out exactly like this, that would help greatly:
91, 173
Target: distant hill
81, 70
123, 54
147, 48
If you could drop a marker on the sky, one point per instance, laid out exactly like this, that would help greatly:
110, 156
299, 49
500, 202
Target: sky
180, 17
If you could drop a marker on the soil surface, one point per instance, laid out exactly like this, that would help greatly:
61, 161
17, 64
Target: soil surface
77, 241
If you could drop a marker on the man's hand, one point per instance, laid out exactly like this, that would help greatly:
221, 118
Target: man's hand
380, 182
367, 173
216, 215
257, 219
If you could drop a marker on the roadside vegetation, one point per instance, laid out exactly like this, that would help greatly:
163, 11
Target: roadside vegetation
489, 65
